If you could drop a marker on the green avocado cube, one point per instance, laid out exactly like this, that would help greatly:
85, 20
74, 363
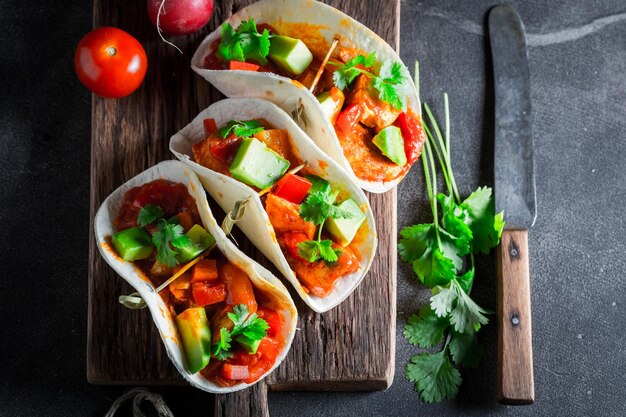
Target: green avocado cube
195, 333
344, 230
133, 244
390, 142
257, 165
199, 241
249, 345
318, 184
290, 54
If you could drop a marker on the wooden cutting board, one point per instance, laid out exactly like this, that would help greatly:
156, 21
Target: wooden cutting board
350, 348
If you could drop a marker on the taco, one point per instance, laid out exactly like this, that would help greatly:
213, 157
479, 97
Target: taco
305, 213
347, 88
225, 321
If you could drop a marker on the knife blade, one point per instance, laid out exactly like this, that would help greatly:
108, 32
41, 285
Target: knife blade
515, 194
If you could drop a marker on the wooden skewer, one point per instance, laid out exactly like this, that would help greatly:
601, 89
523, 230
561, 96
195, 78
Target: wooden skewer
326, 58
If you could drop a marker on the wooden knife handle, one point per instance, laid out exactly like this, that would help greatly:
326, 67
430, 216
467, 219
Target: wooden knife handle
250, 402
515, 349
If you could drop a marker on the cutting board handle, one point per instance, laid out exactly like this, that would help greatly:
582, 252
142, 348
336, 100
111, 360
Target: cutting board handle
515, 350
251, 402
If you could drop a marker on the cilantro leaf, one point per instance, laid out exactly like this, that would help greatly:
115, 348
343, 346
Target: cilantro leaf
165, 235
466, 280
314, 250
249, 325
241, 128
465, 350
222, 347
414, 241
442, 301
244, 43
148, 214
454, 219
345, 74
319, 206
425, 329
486, 226
434, 268
466, 315
434, 376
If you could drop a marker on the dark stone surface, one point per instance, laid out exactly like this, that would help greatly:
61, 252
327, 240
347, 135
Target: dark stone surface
577, 244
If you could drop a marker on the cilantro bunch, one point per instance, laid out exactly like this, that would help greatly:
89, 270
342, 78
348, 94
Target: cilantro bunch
438, 253
245, 324
389, 82
318, 207
245, 43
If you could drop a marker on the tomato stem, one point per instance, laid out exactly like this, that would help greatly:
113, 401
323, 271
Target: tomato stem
111, 50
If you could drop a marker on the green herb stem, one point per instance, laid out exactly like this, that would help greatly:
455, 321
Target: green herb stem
446, 177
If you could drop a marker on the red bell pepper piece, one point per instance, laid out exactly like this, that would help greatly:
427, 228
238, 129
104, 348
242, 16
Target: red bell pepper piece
349, 117
291, 240
235, 372
272, 318
292, 188
244, 66
413, 135
210, 127
206, 294
225, 150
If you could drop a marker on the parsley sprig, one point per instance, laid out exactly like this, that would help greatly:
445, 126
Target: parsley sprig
438, 252
318, 207
249, 325
245, 43
389, 82
240, 128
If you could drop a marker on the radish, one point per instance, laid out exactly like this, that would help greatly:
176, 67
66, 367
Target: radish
179, 17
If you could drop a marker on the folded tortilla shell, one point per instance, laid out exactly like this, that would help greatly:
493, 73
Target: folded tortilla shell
261, 278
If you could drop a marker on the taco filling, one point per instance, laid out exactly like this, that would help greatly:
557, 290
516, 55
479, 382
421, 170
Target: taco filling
317, 226
230, 331
364, 99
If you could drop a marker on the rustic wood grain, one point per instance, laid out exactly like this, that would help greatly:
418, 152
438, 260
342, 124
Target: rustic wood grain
515, 350
352, 347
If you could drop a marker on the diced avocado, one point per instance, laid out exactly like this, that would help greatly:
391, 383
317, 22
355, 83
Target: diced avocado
257, 165
195, 333
290, 54
318, 184
249, 345
133, 244
344, 230
390, 142
200, 240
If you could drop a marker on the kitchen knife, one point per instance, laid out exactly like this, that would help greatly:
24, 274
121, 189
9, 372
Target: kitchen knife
515, 194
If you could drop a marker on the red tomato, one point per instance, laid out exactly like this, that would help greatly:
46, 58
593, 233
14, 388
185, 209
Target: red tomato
225, 150
204, 293
210, 127
180, 17
291, 240
272, 318
349, 117
267, 353
110, 62
413, 135
243, 66
292, 188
